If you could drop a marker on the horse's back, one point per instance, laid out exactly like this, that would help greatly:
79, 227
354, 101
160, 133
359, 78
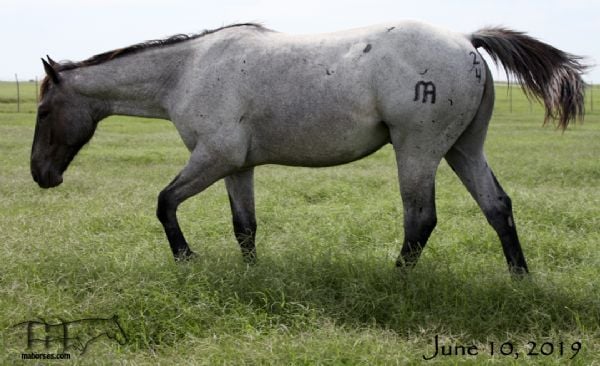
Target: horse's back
405, 69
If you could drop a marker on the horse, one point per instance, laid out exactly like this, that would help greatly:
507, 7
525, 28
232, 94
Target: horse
243, 95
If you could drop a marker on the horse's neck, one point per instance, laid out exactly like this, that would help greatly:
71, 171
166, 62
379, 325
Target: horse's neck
133, 85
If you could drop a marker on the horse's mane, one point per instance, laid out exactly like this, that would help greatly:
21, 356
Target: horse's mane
120, 52
129, 50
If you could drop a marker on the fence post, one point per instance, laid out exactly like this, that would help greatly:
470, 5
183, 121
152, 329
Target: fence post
18, 95
592, 96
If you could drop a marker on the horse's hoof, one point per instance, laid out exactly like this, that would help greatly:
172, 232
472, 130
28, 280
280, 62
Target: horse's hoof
519, 273
405, 264
186, 256
249, 257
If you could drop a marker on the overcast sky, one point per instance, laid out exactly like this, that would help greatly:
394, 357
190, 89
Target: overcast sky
78, 29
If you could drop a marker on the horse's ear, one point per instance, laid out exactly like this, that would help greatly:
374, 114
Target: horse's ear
51, 61
51, 72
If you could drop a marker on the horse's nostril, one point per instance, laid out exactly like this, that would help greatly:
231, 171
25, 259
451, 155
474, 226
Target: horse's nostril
53, 179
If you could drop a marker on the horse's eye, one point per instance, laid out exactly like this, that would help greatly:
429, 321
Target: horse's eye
43, 113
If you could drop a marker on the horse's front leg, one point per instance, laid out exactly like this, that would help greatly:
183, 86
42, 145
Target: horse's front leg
203, 169
240, 188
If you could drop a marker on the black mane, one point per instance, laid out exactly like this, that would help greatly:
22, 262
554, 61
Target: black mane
178, 38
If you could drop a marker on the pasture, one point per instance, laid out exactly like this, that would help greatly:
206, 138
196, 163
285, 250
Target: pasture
325, 289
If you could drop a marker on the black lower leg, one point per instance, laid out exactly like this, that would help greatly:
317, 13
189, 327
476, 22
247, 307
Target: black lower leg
166, 213
504, 225
244, 228
501, 219
245, 238
412, 248
179, 247
417, 229
513, 253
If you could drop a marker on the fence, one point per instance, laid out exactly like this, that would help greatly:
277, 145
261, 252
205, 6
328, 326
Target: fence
19, 96
512, 99
22, 97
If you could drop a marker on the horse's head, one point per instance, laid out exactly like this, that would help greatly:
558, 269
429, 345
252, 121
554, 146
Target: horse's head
65, 122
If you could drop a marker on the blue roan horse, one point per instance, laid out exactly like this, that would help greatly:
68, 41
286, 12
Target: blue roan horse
243, 95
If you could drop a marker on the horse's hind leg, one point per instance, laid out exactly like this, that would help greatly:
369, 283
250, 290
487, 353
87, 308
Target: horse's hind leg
467, 159
417, 188
240, 188
494, 202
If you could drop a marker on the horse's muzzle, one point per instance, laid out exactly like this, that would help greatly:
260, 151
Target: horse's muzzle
46, 178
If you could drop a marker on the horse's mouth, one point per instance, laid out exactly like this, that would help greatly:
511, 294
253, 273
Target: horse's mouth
50, 184
48, 179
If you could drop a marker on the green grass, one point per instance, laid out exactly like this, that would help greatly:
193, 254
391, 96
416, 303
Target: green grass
325, 289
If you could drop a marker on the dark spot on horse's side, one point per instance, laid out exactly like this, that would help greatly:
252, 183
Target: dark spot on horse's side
368, 48
390, 29
424, 72
329, 72
451, 101
433, 121
242, 118
244, 61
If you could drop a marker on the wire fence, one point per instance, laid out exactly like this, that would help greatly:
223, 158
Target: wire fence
22, 97
19, 96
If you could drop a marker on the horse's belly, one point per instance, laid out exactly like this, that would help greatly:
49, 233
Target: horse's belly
328, 145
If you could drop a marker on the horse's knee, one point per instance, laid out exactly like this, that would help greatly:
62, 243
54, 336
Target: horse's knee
164, 206
422, 222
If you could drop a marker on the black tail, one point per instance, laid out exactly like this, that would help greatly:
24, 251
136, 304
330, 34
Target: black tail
544, 72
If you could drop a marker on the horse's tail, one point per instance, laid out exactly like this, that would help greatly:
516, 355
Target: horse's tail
544, 72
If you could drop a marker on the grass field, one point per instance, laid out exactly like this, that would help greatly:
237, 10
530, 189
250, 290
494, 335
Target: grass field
325, 290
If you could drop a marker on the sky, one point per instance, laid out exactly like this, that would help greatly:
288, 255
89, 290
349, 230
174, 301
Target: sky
77, 29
